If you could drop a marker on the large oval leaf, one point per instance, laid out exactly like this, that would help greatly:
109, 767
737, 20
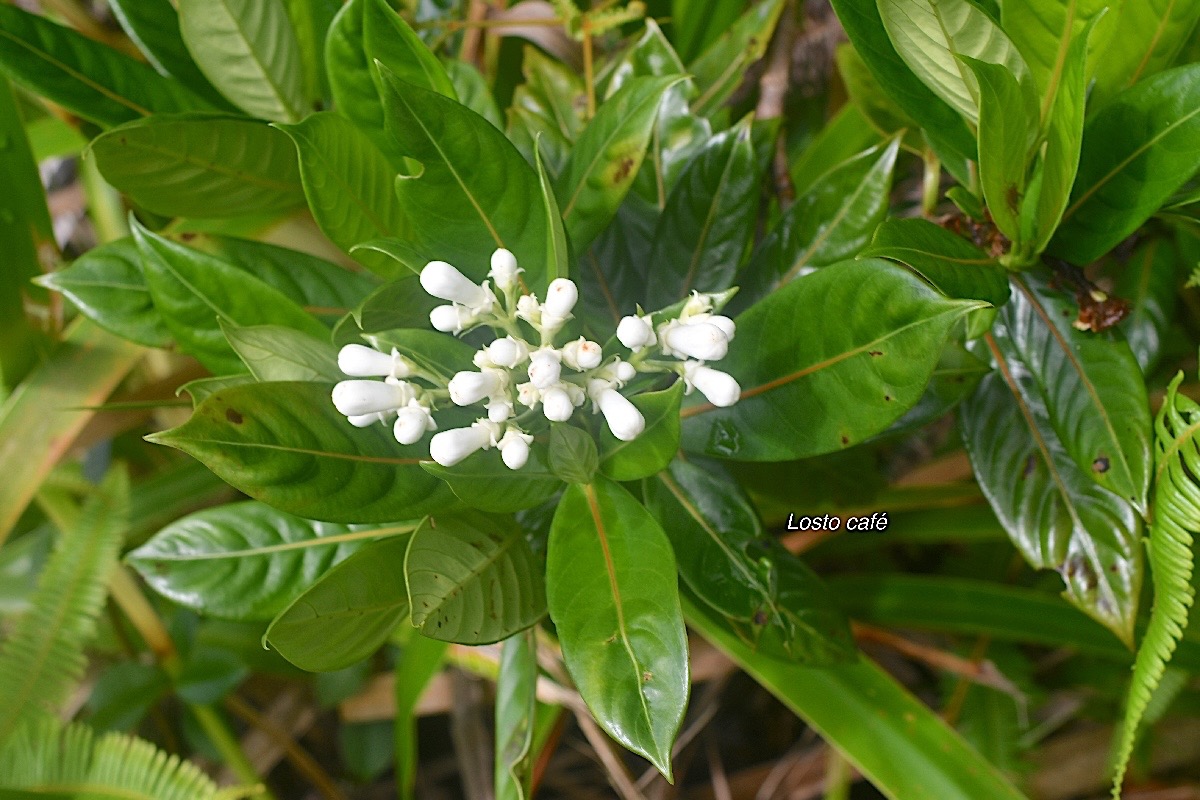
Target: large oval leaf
613, 595
246, 560
825, 362
483, 481
285, 444
473, 579
348, 614
154, 26
248, 50
1137, 151
201, 165
276, 353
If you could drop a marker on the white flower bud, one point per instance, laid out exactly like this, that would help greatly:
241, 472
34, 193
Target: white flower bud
450, 447
557, 405
508, 352
700, 340
576, 393
504, 270
698, 303
411, 423
360, 361
545, 367
719, 387
467, 388
727, 326
529, 309
623, 418
561, 296
366, 420
528, 395
514, 448
451, 319
446, 283
635, 332
581, 354
499, 410
624, 371
358, 398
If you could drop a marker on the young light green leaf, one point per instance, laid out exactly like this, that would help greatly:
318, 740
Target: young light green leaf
472, 90
201, 165
311, 20
695, 25
153, 25
719, 70
473, 579
1043, 31
572, 455
868, 340
348, 613
389, 40
1150, 282
246, 560
1145, 39
654, 447
516, 703
248, 50
558, 251
286, 445
276, 353
613, 596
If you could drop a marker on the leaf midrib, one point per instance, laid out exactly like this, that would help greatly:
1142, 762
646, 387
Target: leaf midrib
299, 450
291, 112
213, 166
321, 541
443, 600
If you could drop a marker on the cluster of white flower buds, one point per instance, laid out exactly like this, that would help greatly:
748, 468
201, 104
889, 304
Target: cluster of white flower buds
513, 372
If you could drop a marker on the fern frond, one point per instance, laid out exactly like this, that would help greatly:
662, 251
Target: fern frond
1176, 518
43, 658
43, 758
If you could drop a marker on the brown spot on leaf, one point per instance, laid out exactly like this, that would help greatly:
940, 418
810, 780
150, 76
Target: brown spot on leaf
1030, 465
760, 617
845, 440
875, 353
647, 676
233, 416
623, 170
887, 398
1101, 464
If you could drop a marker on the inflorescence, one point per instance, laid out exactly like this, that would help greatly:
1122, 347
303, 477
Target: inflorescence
515, 372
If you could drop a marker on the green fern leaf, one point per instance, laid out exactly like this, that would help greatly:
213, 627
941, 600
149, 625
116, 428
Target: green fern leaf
1176, 517
45, 759
43, 658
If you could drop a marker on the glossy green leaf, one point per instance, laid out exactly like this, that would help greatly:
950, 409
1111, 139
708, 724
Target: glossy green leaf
1149, 282
82, 75
605, 160
419, 663
873, 103
473, 192
153, 25
516, 702
194, 291
654, 447
943, 125
107, 286
612, 590
286, 445
546, 107
954, 378
776, 603
433, 351
276, 353
202, 388
348, 182
1146, 38
1137, 151
1043, 30
399, 304
720, 69
572, 453
483, 481
708, 221
348, 614
472, 90
558, 251
311, 20
1095, 397
248, 50
817, 382
952, 264
902, 747
1056, 515
473, 579
201, 165
246, 560
695, 25
929, 35
389, 40
844, 136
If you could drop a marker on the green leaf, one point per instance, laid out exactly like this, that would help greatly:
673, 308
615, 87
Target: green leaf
194, 291
246, 560
467, 205
311, 20
473, 579
696, 25
82, 75
852, 363
107, 286
201, 165
42, 656
1176, 516
873, 103
546, 107
153, 25
1150, 282
613, 595
930, 35
779, 606
275, 353
389, 40
654, 447
846, 135
605, 160
720, 69
558, 251
1008, 123
708, 221
1095, 397
1145, 39
348, 614
248, 50
419, 663
573, 456
203, 388
433, 351
348, 182
399, 304
943, 125
1137, 151
483, 481
516, 702
1056, 515
902, 747
1043, 31
286, 445
472, 90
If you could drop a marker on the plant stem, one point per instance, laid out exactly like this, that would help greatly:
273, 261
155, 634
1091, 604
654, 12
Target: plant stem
931, 183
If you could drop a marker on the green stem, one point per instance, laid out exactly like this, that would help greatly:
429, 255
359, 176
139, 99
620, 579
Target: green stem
217, 731
931, 183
